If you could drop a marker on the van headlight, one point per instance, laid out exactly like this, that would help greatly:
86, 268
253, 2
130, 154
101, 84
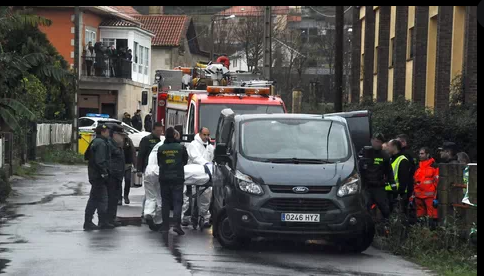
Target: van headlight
246, 184
350, 187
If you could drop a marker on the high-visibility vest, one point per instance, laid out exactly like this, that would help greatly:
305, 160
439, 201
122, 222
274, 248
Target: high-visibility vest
395, 167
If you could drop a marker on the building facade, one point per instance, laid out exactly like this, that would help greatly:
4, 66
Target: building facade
416, 52
175, 42
109, 84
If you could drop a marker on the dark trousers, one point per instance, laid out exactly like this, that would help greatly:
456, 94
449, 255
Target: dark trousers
171, 195
98, 200
378, 196
89, 67
114, 188
127, 183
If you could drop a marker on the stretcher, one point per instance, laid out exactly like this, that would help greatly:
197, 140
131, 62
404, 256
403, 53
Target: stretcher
199, 177
199, 181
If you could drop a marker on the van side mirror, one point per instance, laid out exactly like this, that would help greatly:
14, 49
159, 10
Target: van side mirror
221, 153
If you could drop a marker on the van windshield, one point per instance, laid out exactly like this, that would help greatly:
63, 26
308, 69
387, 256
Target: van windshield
210, 113
294, 139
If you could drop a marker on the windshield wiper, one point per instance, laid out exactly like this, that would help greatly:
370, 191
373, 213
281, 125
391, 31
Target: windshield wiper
300, 161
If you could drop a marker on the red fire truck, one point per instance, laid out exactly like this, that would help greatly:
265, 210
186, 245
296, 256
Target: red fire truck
192, 109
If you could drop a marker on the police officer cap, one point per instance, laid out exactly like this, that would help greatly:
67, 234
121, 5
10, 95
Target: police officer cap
101, 127
379, 136
117, 128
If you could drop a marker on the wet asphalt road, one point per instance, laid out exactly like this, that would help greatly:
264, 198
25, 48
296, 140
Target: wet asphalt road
41, 234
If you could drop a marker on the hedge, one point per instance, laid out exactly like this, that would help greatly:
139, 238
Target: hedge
423, 126
5, 187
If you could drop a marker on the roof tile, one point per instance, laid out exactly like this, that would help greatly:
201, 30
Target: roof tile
168, 29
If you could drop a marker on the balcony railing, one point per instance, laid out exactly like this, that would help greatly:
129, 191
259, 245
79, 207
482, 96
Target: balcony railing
107, 67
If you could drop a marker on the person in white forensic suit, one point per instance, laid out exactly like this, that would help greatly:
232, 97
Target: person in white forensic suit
152, 203
200, 152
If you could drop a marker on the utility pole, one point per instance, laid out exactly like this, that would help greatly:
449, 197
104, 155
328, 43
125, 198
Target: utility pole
338, 59
212, 24
267, 42
75, 138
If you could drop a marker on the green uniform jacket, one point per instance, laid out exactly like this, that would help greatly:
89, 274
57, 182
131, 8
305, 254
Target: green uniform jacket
145, 146
116, 166
172, 158
99, 159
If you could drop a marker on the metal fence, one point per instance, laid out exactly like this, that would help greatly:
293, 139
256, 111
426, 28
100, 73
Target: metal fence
53, 134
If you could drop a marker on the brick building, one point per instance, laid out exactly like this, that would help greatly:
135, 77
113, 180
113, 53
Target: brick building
415, 52
108, 84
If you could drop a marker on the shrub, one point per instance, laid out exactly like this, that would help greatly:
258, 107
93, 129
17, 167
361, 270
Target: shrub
5, 187
423, 126
442, 250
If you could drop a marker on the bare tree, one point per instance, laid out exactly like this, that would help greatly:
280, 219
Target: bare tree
249, 34
224, 34
290, 62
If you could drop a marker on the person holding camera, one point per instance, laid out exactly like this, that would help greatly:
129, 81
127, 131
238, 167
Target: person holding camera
376, 172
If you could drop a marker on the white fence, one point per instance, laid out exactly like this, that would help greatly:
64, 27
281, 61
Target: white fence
53, 134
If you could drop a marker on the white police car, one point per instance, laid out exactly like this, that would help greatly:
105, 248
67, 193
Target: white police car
91, 121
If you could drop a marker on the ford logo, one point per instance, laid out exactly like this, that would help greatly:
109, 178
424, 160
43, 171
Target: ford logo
300, 190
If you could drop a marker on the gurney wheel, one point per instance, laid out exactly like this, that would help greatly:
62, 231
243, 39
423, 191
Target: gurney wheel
201, 223
194, 224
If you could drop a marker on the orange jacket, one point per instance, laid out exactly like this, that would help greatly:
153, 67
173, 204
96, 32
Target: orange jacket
426, 179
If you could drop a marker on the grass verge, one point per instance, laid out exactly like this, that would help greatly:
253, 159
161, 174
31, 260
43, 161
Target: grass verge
68, 157
26, 171
445, 250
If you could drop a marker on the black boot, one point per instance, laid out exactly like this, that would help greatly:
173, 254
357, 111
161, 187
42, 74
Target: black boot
177, 229
89, 225
126, 199
120, 202
116, 223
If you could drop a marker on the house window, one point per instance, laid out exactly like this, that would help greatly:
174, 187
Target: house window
392, 52
410, 39
135, 56
90, 36
375, 61
234, 63
141, 50
109, 41
146, 60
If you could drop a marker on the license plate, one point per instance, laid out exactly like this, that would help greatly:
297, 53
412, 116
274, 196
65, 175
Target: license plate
290, 217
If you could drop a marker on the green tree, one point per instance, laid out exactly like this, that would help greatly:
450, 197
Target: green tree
22, 56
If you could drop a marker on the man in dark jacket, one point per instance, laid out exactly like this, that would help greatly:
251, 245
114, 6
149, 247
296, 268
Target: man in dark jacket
136, 120
98, 171
172, 157
129, 161
148, 122
116, 169
127, 119
448, 153
402, 172
413, 160
376, 171
146, 145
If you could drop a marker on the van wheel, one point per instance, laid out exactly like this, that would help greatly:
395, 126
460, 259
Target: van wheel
362, 242
225, 236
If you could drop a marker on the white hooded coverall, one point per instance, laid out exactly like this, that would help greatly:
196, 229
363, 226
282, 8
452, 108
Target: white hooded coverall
199, 153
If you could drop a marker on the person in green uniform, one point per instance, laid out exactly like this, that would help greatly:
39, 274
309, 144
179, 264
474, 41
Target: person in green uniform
172, 157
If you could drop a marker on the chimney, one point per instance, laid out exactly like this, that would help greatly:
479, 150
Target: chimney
156, 10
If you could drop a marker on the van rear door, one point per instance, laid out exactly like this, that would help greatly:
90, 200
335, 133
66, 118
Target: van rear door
359, 124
